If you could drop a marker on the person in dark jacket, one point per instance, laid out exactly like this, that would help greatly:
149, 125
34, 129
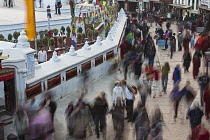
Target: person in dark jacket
168, 24
203, 81
195, 115
100, 110
52, 105
151, 55
187, 60
177, 74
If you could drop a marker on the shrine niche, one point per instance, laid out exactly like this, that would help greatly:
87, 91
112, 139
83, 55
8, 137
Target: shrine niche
8, 77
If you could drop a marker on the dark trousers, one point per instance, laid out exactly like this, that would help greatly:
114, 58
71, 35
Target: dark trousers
176, 106
40, 4
57, 10
125, 72
171, 50
21, 137
102, 120
180, 46
201, 94
129, 109
143, 99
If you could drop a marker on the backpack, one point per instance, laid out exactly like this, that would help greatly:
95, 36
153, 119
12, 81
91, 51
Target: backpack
132, 89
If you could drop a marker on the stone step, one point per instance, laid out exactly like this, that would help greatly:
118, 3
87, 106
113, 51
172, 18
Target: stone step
2, 110
6, 119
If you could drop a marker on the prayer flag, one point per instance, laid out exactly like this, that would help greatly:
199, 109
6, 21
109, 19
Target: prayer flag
30, 20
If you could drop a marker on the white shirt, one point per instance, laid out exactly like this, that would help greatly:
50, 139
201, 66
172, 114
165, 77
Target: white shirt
129, 95
117, 92
42, 56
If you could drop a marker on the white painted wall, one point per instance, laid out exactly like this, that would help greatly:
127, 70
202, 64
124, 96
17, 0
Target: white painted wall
1, 89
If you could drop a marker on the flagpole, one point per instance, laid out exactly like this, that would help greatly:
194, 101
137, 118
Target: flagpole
35, 30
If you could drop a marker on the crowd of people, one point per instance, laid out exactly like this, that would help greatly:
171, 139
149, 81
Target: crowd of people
137, 55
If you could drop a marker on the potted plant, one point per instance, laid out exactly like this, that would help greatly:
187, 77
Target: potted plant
10, 37
96, 33
46, 32
16, 35
45, 41
63, 30
68, 31
1, 37
41, 34
79, 30
79, 37
90, 34
38, 43
60, 41
52, 44
83, 37
55, 31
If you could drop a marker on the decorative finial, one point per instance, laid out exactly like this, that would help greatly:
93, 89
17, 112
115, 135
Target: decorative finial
72, 51
55, 57
98, 41
23, 40
86, 46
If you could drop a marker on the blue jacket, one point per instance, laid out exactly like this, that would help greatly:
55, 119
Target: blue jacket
177, 74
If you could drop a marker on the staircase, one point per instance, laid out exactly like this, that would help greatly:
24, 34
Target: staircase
4, 118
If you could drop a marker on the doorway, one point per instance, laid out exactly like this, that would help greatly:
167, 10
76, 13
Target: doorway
10, 97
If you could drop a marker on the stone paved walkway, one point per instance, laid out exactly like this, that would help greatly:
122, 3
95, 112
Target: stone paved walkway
178, 130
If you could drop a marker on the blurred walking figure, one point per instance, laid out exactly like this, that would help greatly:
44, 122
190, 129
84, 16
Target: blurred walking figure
129, 92
180, 41
144, 89
206, 101
40, 3
176, 97
200, 133
164, 78
187, 60
69, 119
137, 66
177, 74
52, 105
196, 65
100, 110
118, 118
142, 123
192, 40
203, 81
42, 125
171, 47
118, 92
195, 115
80, 121
151, 55
189, 95
156, 126
21, 123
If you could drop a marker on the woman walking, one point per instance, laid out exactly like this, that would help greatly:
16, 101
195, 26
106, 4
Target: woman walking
206, 99
196, 65
187, 60
164, 78
21, 123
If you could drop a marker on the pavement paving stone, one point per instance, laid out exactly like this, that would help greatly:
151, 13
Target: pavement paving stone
178, 130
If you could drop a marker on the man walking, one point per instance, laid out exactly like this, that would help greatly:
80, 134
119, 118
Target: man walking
129, 92
203, 81
100, 109
117, 92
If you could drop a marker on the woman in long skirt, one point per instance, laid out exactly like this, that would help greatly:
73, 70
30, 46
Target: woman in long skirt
187, 60
196, 65
206, 100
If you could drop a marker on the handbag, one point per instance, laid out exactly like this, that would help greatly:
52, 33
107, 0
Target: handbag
60, 6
